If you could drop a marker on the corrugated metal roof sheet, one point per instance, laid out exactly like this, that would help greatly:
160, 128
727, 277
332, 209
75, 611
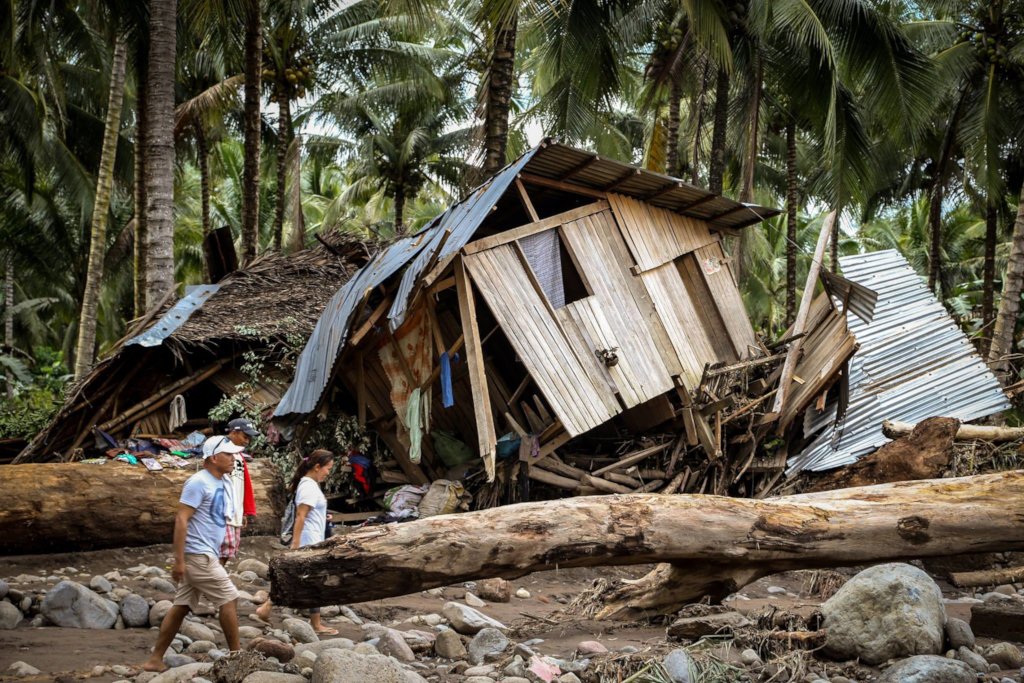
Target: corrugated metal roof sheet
175, 317
453, 229
913, 363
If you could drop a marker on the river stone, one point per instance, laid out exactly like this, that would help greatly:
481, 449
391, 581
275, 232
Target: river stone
928, 669
972, 659
346, 666
1006, 655
158, 611
174, 660
196, 630
495, 590
300, 630
23, 669
959, 633
10, 616
72, 605
183, 674
100, 584
467, 620
200, 647
487, 644
390, 642
328, 644
885, 612
4, 589
449, 645
679, 666
249, 632
134, 611
273, 677
162, 585
473, 601
269, 647
260, 569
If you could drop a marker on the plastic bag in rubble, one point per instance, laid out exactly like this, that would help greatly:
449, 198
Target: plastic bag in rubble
444, 498
406, 497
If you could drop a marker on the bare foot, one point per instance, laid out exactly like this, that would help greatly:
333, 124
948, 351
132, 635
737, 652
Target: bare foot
157, 666
263, 611
327, 631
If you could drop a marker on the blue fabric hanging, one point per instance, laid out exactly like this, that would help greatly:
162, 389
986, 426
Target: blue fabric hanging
447, 395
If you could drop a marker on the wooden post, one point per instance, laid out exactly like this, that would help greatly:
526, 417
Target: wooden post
486, 438
793, 355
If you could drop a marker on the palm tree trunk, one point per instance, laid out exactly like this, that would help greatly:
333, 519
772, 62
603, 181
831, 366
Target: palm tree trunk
1009, 302
160, 150
500, 87
741, 261
251, 130
139, 241
203, 152
9, 316
989, 273
297, 238
717, 170
672, 151
699, 125
399, 210
284, 138
791, 200
85, 351
938, 190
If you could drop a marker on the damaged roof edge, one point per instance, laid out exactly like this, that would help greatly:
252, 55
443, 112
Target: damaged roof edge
175, 317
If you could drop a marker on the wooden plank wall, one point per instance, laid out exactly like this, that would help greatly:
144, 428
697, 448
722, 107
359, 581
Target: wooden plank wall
538, 340
726, 295
656, 236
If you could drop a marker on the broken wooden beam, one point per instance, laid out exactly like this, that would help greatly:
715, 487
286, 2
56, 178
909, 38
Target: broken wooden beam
740, 540
987, 577
895, 429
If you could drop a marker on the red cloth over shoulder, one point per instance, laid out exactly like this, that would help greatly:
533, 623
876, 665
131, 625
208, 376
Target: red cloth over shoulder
249, 497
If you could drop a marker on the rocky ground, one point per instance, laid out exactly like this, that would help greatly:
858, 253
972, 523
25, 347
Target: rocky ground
91, 616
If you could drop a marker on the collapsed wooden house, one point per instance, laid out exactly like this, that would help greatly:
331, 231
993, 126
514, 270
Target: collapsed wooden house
195, 348
585, 294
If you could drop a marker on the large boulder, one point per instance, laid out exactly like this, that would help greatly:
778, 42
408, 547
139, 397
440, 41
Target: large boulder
134, 611
929, 669
346, 666
467, 620
72, 605
885, 612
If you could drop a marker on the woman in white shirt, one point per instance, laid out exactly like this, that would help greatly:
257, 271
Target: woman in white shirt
311, 512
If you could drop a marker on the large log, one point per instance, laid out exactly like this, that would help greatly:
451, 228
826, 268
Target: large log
895, 429
63, 507
721, 543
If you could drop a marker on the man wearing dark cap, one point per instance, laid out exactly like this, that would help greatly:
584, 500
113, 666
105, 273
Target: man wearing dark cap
241, 500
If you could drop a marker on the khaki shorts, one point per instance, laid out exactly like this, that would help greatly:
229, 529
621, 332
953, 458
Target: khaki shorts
204, 576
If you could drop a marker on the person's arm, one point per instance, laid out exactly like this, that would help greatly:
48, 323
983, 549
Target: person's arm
300, 521
181, 520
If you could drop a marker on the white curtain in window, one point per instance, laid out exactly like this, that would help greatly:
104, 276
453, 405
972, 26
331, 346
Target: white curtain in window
543, 255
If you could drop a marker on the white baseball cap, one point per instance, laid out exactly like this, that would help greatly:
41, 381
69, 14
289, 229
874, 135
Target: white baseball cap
220, 444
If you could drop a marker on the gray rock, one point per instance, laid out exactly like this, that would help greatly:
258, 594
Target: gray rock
72, 605
162, 585
486, 645
390, 642
4, 588
324, 645
1006, 655
158, 611
477, 679
10, 616
959, 633
467, 620
100, 584
196, 630
679, 666
885, 612
23, 669
750, 657
972, 659
346, 666
473, 601
273, 677
367, 648
134, 611
568, 678
449, 645
928, 669
249, 632
181, 674
26, 604
350, 614
200, 647
260, 569
174, 660
300, 630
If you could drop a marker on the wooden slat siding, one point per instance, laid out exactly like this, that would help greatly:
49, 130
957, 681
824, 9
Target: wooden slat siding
597, 333
678, 312
543, 350
654, 235
706, 309
533, 228
486, 437
581, 333
624, 302
727, 297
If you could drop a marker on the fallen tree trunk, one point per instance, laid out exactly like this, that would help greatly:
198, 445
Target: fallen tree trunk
895, 429
63, 507
715, 544
987, 577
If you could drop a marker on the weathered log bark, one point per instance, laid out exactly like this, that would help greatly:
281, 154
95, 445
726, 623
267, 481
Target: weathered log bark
988, 577
894, 429
65, 507
716, 540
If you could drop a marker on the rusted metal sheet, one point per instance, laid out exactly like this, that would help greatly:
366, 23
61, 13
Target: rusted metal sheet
913, 362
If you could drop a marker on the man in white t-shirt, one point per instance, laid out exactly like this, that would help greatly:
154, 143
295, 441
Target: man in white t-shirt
198, 533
